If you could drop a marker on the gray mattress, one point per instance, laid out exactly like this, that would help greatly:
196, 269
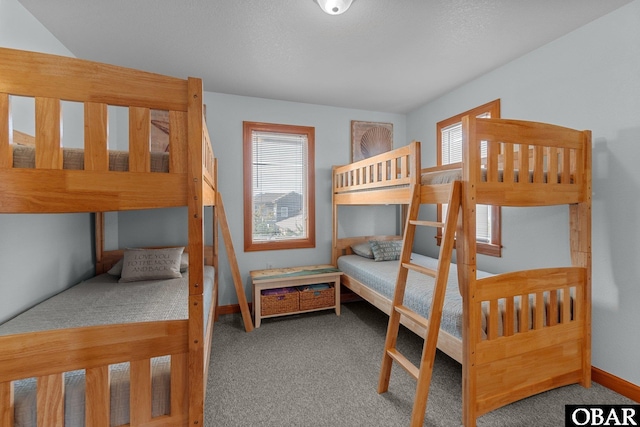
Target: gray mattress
447, 176
380, 276
102, 300
24, 156
450, 175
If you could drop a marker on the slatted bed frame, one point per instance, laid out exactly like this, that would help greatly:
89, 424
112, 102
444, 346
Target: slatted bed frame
48, 188
522, 360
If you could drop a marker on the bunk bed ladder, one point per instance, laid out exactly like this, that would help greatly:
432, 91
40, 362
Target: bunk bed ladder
421, 373
233, 264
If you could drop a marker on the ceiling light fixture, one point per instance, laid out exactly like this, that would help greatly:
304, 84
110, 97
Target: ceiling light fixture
334, 7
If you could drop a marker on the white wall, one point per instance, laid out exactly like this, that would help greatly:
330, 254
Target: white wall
20, 30
589, 79
40, 255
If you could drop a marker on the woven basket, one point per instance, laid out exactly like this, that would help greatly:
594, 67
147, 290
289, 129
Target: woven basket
278, 301
312, 298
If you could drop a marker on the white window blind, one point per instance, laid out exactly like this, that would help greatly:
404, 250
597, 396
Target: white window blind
279, 186
452, 153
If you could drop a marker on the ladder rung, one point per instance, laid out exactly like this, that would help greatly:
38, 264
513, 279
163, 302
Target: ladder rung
415, 317
426, 223
420, 269
404, 362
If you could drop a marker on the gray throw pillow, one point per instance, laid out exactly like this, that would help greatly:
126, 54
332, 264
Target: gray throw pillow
386, 250
151, 264
116, 270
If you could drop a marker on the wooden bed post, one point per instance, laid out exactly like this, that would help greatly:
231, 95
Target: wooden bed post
195, 184
6, 132
215, 242
99, 235
466, 262
334, 222
580, 244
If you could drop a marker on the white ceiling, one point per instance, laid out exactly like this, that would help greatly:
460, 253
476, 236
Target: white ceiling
381, 55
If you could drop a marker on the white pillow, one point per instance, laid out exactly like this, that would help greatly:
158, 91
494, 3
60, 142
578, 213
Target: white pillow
362, 249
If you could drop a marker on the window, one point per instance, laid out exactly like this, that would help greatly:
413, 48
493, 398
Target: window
279, 189
450, 151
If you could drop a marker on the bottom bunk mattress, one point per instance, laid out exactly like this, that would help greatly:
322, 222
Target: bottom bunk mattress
102, 300
380, 276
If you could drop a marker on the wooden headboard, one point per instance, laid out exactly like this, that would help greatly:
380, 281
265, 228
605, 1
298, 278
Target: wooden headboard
22, 138
343, 245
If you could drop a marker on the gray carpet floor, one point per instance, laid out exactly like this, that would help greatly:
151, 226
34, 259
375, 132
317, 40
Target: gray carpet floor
319, 369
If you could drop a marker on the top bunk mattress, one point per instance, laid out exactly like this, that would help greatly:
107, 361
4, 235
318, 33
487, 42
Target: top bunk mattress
447, 176
24, 156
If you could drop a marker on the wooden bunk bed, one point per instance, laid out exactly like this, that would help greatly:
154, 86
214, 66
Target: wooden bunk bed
190, 180
512, 345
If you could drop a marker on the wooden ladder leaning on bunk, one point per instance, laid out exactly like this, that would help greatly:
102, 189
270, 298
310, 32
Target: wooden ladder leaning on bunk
423, 372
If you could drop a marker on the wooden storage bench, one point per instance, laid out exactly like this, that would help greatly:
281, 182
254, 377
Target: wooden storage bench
307, 299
